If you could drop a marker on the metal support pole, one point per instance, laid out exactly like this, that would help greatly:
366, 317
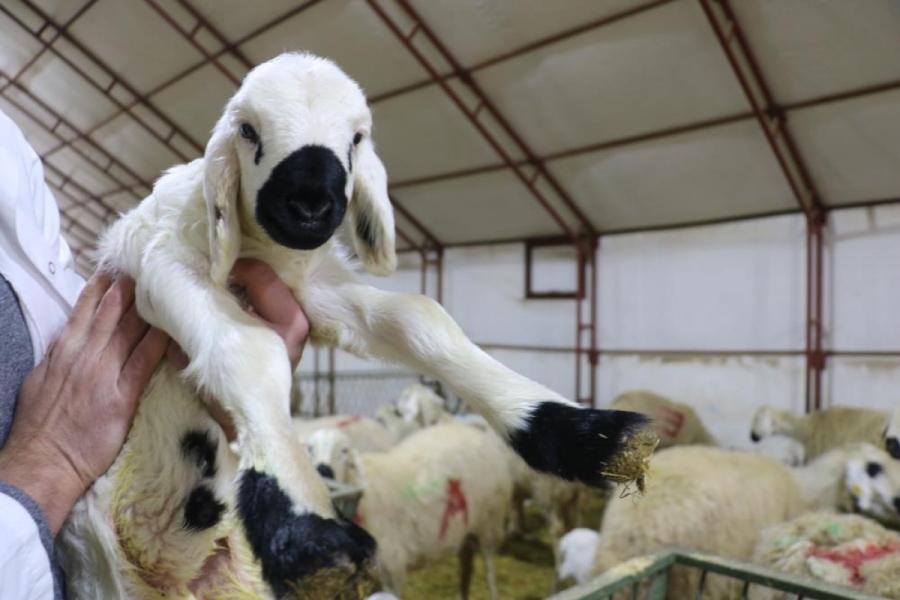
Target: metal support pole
815, 355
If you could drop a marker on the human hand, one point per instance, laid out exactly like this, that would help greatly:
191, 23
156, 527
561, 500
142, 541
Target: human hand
75, 409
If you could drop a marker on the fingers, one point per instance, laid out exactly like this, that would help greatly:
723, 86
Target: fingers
177, 356
142, 363
86, 305
128, 333
266, 292
113, 306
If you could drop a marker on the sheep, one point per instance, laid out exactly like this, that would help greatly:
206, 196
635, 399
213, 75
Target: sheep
290, 162
427, 498
703, 498
675, 423
576, 550
847, 550
420, 404
892, 434
367, 434
821, 430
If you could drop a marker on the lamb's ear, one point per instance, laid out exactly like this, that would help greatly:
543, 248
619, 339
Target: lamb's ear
370, 215
221, 186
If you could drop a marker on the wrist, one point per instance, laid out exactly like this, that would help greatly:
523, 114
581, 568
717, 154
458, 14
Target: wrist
47, 478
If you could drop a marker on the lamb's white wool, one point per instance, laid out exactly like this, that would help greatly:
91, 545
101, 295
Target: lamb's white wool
421, 405
821, 430
577, 550
428, 497
289, 163
675, 423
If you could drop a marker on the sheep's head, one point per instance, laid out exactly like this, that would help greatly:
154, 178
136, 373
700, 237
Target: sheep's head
332, 452
289, 158
769, 421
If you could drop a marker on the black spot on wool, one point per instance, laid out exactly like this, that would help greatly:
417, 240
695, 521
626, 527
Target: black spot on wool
290, 546
198, 447
202, 510
892, 445
574, 443
325, 471
874, 469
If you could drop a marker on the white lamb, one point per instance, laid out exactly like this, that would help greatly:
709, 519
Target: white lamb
426, 498
577, 550
366, 433
703, 498
290, 158
675, 423
821, 430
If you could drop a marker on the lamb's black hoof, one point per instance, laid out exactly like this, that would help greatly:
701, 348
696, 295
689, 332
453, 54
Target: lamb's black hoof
302, 555
581, 444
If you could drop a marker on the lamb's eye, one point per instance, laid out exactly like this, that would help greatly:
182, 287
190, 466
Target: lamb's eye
357, 139
248, 133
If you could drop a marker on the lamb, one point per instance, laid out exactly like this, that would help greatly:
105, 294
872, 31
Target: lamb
892, 434
577, 550
822, 430
421, 405
847, 550
675, 423
289, 162
703, 498
366, 433
428, 498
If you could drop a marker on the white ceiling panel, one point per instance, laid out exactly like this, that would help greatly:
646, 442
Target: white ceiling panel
350, 33
17, 46
476, 30
493, 206
852, 148
659, 69
66, 92
39, 138
236, 18
132, 145
135, 42
424, 133
196, 101
717, 173
816, 47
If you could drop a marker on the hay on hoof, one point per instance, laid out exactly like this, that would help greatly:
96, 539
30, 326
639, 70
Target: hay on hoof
632, 463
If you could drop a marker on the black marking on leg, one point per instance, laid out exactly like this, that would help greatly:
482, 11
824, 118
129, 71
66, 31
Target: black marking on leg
574, 443
202, 510
291, 546
366, 232
199, 447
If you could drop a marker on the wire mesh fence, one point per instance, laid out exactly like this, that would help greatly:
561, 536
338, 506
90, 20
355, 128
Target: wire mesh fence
651, 577
357, 393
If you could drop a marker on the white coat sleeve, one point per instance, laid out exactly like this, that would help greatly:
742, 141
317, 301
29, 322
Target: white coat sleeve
25, 571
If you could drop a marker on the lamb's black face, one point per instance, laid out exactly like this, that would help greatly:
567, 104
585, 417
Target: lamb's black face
304, 199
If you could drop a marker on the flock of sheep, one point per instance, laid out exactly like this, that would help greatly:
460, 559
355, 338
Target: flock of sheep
437, 486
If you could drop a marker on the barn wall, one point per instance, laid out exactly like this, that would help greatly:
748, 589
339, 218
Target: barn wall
725, 289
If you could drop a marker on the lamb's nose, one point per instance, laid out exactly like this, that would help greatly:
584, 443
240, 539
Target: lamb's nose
312, 210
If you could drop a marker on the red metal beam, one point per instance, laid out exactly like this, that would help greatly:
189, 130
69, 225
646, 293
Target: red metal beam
771, 118
484, 101
429, 236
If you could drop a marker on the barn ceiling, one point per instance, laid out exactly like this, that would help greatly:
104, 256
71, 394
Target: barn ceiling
496, 119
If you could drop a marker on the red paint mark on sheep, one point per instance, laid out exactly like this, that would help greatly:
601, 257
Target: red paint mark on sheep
854, 558
348, 421
456, 503
672, 422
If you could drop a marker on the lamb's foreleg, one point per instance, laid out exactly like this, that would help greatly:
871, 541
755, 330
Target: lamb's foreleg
551, 433
282, 502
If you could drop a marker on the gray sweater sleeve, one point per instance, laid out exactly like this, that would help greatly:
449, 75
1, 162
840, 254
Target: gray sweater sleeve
43, 528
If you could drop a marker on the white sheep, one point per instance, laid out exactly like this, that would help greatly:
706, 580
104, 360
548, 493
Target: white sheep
675, 423
821, 430
577, 550
289, 162
366, 433
426, 498
847, 550
704, 498
892, 434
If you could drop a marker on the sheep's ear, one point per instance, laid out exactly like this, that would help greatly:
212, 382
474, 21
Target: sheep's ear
221, 186
370, 215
